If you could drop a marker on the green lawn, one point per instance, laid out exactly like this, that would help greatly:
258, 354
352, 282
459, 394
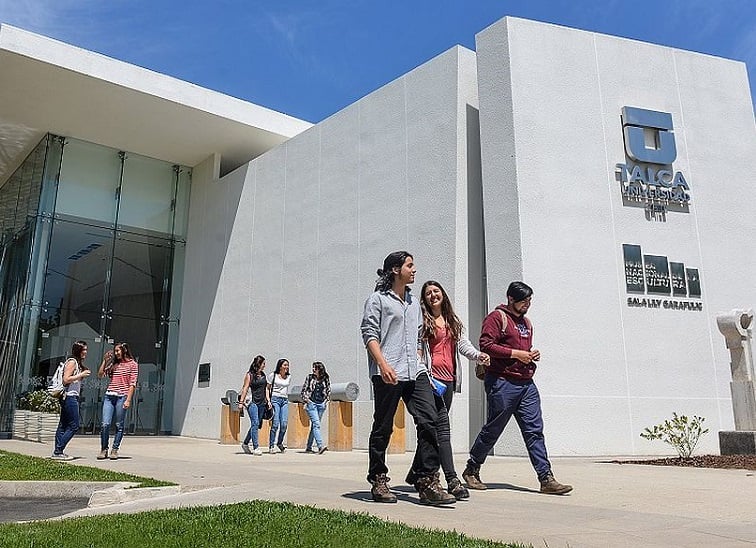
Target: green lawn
255, 523
16, 467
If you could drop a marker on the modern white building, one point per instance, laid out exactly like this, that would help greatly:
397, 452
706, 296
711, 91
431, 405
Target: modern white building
609, 174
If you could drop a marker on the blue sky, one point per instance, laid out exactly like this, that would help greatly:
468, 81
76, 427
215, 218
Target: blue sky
311, 59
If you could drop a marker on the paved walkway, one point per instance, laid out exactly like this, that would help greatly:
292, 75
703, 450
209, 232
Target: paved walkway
612, 505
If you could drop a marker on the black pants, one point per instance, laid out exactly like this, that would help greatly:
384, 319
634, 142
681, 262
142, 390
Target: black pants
443, 430
418, 397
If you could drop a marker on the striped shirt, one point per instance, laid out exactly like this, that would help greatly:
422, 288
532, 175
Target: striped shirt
124, 376
396, 325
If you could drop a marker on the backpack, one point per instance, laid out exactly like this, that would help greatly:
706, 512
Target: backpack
57, 389
480, 369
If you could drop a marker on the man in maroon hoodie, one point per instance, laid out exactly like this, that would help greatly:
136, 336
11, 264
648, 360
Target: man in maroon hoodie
507, 336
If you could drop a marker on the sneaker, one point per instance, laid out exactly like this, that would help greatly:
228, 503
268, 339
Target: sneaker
114, 454
431, 491
103, 455
257, 451
322, 450
246, 449
61, 456
309, 450
472, 478
550, 486
281, 447
456, 488
381, 491
272, 450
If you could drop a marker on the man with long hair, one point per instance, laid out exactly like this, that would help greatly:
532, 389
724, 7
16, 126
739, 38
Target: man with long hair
391, 328
507, 337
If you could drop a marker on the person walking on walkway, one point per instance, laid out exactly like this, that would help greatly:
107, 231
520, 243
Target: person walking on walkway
279, 399
254, 396
120, 366
443, 341
316, 391
507, 336
391, 325
74, 371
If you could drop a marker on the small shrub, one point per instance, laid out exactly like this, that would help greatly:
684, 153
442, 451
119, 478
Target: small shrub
39, 400
681, 433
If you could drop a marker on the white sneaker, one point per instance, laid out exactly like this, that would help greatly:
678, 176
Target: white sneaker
62, 456
257, 451
273, 450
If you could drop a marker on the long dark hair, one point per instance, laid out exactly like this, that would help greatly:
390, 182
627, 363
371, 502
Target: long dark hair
255, 366
125, 353
279, 365
453, 323
77, 350
386, 274
320, 366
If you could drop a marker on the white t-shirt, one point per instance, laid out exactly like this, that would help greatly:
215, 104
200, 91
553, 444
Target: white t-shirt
281, 386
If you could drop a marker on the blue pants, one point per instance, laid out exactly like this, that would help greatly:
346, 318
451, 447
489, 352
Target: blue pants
315, 412
112, 405
255, 412
280, 420
521, 399
69, 423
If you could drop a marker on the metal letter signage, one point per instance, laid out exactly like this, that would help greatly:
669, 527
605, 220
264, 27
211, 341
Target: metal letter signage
647, 177
638, 124
656, 275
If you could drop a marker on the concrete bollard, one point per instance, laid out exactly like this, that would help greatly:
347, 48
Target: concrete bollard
398, 442
230, 418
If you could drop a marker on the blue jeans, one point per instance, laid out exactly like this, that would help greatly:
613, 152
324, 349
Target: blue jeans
255, 412
280, 420
112, 405
315, 412
69, 423
521, 399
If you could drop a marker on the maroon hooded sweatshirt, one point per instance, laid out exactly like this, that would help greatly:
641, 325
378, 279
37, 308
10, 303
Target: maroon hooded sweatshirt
498, 341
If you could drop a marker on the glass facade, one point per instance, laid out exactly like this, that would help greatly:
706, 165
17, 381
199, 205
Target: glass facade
92, 250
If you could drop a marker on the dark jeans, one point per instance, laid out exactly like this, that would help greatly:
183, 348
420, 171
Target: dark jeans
443, 428
418, 397
521, 399
69, 423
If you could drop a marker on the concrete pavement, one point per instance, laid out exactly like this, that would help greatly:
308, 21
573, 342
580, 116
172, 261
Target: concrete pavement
612, 505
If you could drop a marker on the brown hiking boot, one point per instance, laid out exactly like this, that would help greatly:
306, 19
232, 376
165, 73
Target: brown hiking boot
381, 491
431, 491
456, 488
103, 454
472, 478
550, 486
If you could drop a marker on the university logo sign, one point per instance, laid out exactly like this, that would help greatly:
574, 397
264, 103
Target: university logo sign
647, 177
651, 276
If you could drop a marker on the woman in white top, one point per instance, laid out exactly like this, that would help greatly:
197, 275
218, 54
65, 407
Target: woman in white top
74, 371
279, 398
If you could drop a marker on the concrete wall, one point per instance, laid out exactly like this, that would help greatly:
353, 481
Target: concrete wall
550, 100
284, 251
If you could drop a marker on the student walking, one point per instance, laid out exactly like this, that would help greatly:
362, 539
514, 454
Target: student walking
254, 396
507, 336
391, 327
279, 398
444, 339
316, 391
74, 371
120, 366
